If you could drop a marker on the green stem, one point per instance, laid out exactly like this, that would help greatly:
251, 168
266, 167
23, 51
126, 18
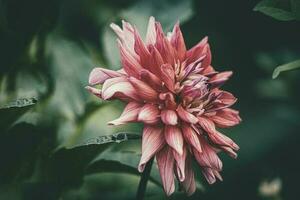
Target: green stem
144, 180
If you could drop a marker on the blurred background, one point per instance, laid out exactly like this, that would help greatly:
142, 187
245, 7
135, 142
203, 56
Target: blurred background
48, 48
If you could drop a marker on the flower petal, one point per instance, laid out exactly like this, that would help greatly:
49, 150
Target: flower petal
153, 141
180, 164
191, 137
186, 116
151, 32
149, 114
208, 157
197, 51
129, 114
174, 138
118, 87
178, 43
151, 79
226, 118
165, 162
189, 184
219, 79
168, 76
99, 75
169, 117
209, 175
143, 89
95, 91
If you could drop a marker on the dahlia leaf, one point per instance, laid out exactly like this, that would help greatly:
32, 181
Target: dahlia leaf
13, 110
275, 9
286, 67
120, 162
68, 165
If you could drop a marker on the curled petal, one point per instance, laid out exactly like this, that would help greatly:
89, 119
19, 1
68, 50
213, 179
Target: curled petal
180, 164
191, 137
178, 43
169, 100
186, 116
153, 141
143, 89
197, 51
208, 157
226, 118
219, 79
129, 60
168, 76
189, 184
151, 32
151, 79
169, 117
118, 87
165, 162
215, 136
209, 175
99, 75
149, 114
94, 91
129, 114
174, 138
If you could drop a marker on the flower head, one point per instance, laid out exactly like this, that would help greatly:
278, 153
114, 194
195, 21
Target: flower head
176, 93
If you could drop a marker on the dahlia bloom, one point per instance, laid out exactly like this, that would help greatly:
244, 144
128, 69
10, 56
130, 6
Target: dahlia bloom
176, 93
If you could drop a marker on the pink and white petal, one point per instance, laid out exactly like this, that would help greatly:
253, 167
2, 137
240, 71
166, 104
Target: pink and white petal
197, 51
149, 114
208, 157
178, 43
99, 75
165, 162
144, 91
129, 60
118, 87
191, 137
168, 76
169, 117
186, 116
207, 124
174, 138
189, 184
129, 114
223, 140
226, 118
151, 32
152, 142
180, 164
151, 79
95, 91
141, 50
209, 175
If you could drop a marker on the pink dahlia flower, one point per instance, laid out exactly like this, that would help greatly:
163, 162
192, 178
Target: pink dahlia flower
176, 93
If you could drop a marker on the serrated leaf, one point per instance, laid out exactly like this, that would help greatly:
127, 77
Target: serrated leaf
123, 162
275, 9
286, 67
13, 110
68, 164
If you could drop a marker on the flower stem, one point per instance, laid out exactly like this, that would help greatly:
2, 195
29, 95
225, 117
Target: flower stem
144, 180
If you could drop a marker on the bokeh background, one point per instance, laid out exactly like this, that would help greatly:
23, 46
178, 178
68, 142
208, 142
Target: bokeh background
48, 48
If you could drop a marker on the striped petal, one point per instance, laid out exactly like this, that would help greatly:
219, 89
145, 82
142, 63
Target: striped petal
180, 164
143, 89
153, 141
99, 75
165, 162
129, 114
186, 116
174, 138
189, 184
169, 117
191, 137
149, 114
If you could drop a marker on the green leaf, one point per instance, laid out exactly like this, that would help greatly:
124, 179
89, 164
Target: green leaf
275, 9
68, 165
121, 162
13, 110
286, 67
